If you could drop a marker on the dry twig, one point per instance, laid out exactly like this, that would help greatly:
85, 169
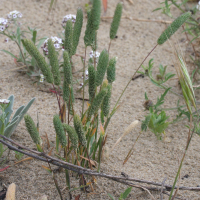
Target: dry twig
81, 170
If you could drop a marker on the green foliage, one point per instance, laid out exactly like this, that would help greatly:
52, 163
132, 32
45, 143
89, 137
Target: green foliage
79, 130
163, 76
15, 33
72, 135
156, 123
123, 195
96, 102
10, 126
92, 86
68, 44
96, 14
34, 52
77, 29
172, 28
102, 67
89, 38
106, 101
59, 130
111, 70
160, 100
32, 130
116, 20
53, 57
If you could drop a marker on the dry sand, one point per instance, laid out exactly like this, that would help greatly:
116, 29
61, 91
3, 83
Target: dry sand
152, 159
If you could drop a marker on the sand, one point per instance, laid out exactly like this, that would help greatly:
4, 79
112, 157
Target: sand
152, 159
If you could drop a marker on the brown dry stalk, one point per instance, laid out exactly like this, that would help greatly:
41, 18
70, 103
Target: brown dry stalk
140, 20
81, 170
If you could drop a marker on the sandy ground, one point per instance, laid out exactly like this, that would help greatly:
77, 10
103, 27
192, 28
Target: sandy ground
152, 159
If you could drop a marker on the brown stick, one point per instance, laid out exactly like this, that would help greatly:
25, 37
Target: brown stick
45, 158
140, 20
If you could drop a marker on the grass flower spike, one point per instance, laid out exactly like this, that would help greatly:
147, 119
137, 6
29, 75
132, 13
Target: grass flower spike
67, 68
97, 102
72, 135
111, 70
53, 57
92, 85
69, 38
59, 130
96, 14
89, 38
186, 83
79, 130
34, 52
105, 107
77, 29
172, 28
116, 21
101, 67
32, 129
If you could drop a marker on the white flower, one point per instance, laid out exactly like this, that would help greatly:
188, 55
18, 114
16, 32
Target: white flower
41, 78
6, 40
14, 14
81, 85
94, 54
57, 46
4, 101
86, 75
198, 5
20, 15
2, 28
68, 17
57, 42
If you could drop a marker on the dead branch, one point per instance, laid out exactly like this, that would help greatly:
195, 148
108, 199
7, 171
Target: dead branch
81, 170
140, 20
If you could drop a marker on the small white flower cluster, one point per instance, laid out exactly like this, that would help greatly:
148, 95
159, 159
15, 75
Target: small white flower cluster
3, 24
198, 5
86, 75
81, 85
68, 17
4, 101
14, 14
94, 54
58, 44
41, 78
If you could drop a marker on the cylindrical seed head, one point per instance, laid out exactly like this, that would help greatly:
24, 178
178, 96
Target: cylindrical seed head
116, 20
53, 57
34, 52
32, 129
111, 70
77, 29
68, 44
72, 135
101, 67
79, 130
59, 130
173, 27
92, 86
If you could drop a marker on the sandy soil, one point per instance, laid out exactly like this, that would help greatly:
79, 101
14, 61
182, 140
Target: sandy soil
152, 159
